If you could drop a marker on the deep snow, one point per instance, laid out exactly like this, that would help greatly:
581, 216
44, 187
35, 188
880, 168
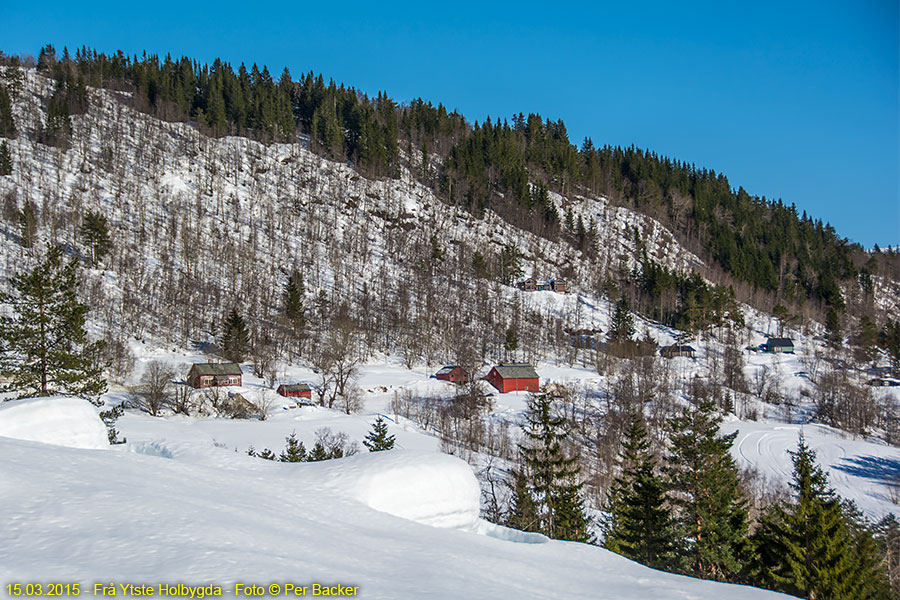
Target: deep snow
204, 514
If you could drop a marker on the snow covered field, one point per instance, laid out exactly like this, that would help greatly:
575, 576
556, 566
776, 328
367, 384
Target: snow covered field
862, 471
203, 514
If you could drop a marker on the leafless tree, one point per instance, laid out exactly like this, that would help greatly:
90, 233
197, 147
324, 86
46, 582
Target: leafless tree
351, 401
156, 382
265, 403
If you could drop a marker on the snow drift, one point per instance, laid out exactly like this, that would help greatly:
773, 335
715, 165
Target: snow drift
60, 420
434, 489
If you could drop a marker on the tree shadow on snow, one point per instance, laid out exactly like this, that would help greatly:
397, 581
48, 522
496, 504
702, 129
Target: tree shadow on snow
871, 467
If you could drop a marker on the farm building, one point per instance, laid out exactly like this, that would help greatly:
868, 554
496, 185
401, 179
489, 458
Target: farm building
533, 285
514, 377
204, 375
778, 345
676, 350
452, 373
528, 285
300, 390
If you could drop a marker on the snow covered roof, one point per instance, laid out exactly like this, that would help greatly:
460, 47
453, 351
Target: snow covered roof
447, 369
516, 371
216, 368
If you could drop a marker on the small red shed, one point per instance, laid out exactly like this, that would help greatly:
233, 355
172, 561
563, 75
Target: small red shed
300, 390
453, 373
514, 377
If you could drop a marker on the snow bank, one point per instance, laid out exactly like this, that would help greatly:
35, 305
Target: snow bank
59, 420
433, 489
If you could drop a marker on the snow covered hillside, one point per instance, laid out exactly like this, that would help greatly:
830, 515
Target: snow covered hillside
204, 514
201, 225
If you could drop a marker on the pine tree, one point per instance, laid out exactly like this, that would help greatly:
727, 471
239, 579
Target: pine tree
294, 309
44, 344
317, 453
378, 439
28, 224
711, 513
806, 548
6, 164
7, 124
622, 328
235, 338
95, 231
510, 342
889, 338
523, 510
553, 477
294, 451
640, 525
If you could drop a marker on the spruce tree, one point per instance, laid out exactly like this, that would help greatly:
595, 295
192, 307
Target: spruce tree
235, 337
622, 328
523, 510
294, 308
553, 476
7, 124
317, 453
28, 224
808, 547
95, 232
711, 512
294, 451
44, 343
266, 454
640, 525
378, 439
6, 165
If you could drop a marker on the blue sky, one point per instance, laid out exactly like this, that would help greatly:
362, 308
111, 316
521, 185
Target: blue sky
799, 101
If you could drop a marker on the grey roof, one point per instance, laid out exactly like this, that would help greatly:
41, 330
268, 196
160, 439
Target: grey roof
679, 348
217, 368
447, 370
516, 371
300, 387
780, 342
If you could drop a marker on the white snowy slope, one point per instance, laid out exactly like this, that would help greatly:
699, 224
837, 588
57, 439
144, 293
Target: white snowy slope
75, 515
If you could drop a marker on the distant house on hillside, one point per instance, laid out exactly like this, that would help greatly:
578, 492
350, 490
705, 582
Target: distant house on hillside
527, 285
204, 375
533, 285
452, 373
300, 390
778, 345
559, 286
677, 350
514, 377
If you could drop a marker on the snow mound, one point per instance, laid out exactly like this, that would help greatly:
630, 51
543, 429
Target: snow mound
506, 534
433, 489
60, 420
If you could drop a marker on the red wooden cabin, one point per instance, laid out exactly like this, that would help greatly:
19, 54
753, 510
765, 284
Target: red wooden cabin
453, 373
514, 377
300, 390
